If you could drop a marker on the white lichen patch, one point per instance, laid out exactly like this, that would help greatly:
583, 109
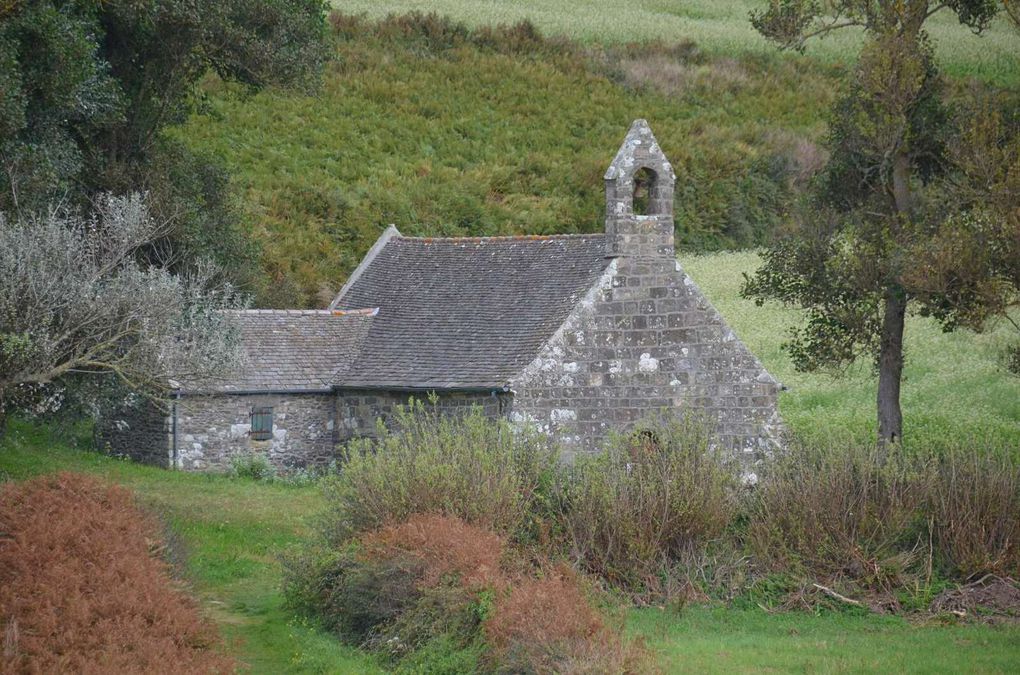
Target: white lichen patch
559, 415
647, 364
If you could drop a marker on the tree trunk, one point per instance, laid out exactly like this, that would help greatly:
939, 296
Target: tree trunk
890, 357
890, 369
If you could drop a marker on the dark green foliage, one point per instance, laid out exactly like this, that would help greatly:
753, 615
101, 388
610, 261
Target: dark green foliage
445, 130
87, 90
858, 173
1012, 359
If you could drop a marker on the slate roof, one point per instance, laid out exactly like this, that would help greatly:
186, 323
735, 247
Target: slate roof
465, 313
292, 350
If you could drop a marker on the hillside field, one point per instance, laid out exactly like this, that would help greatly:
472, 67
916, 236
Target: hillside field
231, 531
720, 26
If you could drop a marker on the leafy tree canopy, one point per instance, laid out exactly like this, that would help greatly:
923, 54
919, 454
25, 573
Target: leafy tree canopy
88, 86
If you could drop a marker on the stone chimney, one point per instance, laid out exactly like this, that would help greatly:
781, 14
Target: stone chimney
639, 198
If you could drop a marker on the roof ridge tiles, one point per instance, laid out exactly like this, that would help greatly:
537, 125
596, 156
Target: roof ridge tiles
509, 237
369, 312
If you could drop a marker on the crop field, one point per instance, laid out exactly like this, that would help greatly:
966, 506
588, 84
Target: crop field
719, 26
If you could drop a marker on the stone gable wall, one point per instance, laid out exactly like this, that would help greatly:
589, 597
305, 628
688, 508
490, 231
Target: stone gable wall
644, 340
213, 429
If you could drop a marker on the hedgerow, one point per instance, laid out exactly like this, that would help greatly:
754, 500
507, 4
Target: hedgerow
659, 515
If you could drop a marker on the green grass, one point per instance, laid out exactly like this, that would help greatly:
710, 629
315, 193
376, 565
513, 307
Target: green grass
955, 388
233, 529
720, 26
722, 640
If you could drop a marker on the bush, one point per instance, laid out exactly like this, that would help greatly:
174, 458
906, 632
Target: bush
651, 499
974, 512
481, 470
841, 515
546, 625
435, 594
852, 516
80, 588
402, 587
252, 465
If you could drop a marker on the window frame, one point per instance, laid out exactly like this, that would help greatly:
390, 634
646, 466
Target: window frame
258, 429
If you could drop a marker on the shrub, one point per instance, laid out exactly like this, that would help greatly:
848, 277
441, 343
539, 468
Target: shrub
481, 470
252, 465
632, 512
80, 590
546, 625
841, 514
974, 511
435, 594
401, 586
445, 546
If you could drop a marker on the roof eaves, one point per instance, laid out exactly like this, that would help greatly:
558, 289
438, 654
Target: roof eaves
180, 393
449, 386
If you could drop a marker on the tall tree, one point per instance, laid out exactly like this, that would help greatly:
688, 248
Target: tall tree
887, 227
88, 89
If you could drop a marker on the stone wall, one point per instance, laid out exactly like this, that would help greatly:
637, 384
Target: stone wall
213, 429
642, 341
137, 430
358, 410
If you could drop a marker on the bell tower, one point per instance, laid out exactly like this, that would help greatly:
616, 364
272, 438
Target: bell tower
639, 198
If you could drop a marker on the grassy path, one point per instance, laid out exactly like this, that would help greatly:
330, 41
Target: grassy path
233, 529
231, 532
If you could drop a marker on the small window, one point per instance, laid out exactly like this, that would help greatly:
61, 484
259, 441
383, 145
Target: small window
644, 189
261, 424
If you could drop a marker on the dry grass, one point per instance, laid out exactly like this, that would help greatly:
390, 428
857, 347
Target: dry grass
975, 514
445, 546
81, 590
633, 512
547, 625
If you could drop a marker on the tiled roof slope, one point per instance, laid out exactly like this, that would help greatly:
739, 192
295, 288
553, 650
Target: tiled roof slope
466, 312
292, 350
